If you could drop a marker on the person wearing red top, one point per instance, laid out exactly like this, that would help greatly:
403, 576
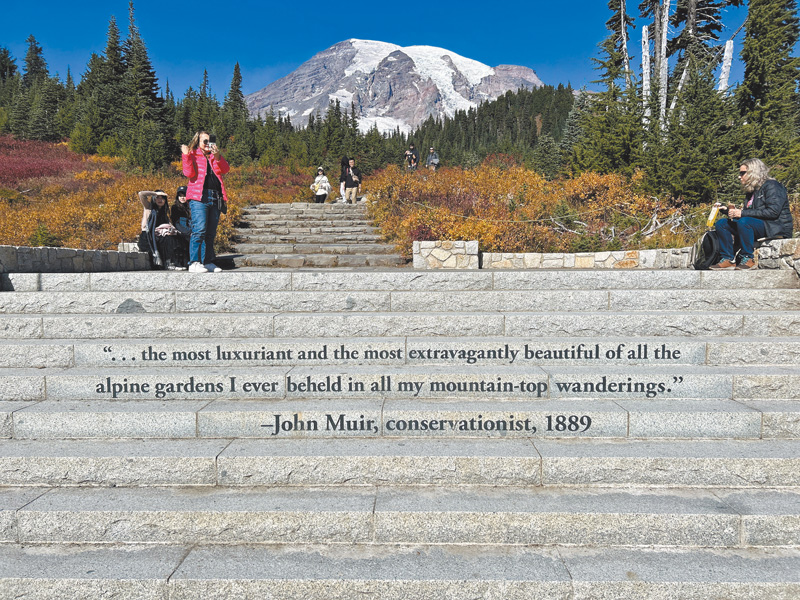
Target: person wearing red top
204, 165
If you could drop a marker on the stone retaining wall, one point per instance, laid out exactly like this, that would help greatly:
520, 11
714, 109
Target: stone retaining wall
23, 259
446, 255
675, 258
778, 254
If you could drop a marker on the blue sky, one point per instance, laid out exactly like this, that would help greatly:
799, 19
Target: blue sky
269, 40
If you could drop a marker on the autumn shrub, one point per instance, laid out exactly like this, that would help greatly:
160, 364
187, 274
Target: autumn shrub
24, 160
83, 202
508, 208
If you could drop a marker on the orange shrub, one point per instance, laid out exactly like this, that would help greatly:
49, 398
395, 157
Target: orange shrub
508, 208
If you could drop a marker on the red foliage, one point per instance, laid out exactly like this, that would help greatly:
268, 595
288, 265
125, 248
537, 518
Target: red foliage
21, 160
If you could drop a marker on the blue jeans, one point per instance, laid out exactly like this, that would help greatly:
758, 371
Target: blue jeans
205, 218
744, 230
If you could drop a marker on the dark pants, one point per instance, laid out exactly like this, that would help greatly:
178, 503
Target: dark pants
743, 231
170, 249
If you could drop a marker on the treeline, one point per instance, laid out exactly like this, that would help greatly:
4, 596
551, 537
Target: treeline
119, 109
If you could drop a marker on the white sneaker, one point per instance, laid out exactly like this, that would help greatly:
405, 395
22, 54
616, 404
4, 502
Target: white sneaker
212, 268
197, 267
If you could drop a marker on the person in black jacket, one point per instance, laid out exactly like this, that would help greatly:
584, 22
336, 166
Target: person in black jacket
351, 178
181, 216
765, 214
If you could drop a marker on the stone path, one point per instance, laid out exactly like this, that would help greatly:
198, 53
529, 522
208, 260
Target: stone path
311, 235
325, 434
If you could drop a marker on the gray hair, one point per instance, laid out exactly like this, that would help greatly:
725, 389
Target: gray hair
757, 173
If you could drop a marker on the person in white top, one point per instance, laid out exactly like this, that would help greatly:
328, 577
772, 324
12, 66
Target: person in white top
321, 187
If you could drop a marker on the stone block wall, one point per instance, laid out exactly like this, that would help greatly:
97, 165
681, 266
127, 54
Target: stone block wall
780, 254
674, 258
446, 255
23, 259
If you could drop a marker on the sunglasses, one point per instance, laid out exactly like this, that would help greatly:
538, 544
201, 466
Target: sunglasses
205, 142
742, 173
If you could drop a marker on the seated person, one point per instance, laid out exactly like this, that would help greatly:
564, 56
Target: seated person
158, 237
181, 217
765, 214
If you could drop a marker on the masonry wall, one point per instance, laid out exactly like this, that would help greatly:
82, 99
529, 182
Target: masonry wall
23, 259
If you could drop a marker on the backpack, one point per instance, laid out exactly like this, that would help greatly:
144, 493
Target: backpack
705, 251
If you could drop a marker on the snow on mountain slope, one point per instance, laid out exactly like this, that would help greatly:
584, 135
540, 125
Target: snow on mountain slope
389, 85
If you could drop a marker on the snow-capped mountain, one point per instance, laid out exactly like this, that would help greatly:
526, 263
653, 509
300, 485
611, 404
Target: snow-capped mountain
391, 86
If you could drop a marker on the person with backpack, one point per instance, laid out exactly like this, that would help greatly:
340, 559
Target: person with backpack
765, 214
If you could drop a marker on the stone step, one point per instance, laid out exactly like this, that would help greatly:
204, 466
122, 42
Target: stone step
304, 221
478, 383
547, 301
296, 261
303, 248
350, 238
685, 518
400, 351
394, 572
402, 418
300, 207
312, 228
391, 462
395, 324
392, 280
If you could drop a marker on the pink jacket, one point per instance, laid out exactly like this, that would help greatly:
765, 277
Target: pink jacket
194, 167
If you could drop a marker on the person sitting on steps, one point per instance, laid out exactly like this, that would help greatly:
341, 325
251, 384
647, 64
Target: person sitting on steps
765, 214
181, 217
159, 238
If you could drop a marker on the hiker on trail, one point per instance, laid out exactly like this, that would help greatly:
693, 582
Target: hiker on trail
204, 165
321, 187
765, 214
345, 163
411, 158
351, 178
432, 161
159, 238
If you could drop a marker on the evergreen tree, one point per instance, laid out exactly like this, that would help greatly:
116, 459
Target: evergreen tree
35, 65
240, 142
42, 122
768, 96
699, 152
146, 140
19, 116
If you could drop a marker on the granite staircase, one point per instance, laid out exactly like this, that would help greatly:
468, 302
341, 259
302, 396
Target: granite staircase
397, 434
311, 235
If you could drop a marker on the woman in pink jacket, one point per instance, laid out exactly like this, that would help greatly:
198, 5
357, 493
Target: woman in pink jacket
204, 166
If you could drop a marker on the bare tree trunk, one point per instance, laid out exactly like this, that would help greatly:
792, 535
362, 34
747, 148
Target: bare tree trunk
646, 75
625, 57
678, 91
664, 66
691, 21
727, 59
657, 39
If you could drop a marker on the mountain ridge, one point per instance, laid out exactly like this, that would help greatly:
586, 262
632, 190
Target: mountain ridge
389, 85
